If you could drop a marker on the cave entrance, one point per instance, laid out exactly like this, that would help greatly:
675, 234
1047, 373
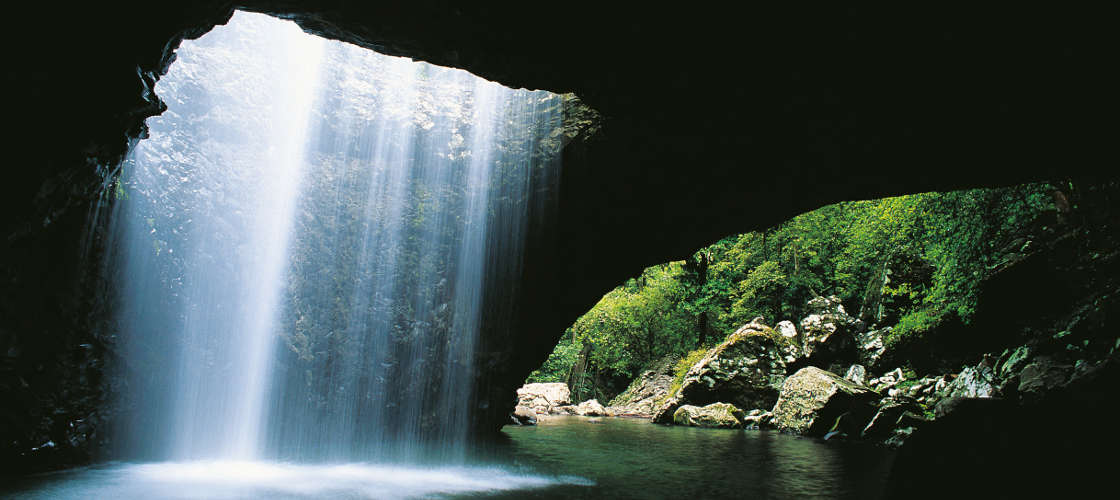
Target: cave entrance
885, 284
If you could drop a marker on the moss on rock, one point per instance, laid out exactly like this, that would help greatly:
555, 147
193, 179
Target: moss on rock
715, 415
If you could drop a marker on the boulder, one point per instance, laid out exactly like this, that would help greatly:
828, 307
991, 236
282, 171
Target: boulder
591, 408
857, 374
870, 346
664, 413
746, 370
1012, 362
757, 419
892, 413
972, 382
827, 333
543, 398
813, 401
788, 330
715, 415
523, 415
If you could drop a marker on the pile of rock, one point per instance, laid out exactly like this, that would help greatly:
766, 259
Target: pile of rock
540, 399
749, 370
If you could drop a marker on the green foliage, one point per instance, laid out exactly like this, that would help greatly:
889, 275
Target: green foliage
913, 324
636, 323
910, 260
558, 364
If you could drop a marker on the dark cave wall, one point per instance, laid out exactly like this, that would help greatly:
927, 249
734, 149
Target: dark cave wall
716, 121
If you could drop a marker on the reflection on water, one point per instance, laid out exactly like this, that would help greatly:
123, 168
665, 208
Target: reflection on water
630, 458
564, 457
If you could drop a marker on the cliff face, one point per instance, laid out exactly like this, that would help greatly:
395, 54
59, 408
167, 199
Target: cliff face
715, 122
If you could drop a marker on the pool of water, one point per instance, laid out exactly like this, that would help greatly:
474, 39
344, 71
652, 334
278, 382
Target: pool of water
564, 457
632, 458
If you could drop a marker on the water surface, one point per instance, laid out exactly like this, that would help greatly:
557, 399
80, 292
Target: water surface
564, 457
632, 458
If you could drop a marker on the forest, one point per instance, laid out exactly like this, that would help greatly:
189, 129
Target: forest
909, 262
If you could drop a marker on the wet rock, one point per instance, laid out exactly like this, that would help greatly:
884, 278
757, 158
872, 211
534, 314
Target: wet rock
887, 381
813, 401
787, 329
972, 382
890, 416
745, 370
523, 415
827, 332
1014, 362
563, 410
857, 374
870, 346
715, 415
758, 419
591, 408
543, 398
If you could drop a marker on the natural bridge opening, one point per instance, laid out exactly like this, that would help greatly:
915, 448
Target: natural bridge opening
933, 322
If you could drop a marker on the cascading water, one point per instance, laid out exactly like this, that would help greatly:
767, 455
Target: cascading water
309, 244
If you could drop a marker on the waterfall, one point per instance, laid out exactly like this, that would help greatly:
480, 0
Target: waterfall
310, 243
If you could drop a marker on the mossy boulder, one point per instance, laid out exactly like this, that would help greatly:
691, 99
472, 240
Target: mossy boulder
815, 402
746, 370
715, 415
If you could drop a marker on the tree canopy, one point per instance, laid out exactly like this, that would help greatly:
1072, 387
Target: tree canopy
907, 261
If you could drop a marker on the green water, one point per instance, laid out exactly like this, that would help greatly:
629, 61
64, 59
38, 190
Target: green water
563, 458
631, 458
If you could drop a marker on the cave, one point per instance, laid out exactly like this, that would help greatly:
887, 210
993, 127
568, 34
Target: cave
706, 123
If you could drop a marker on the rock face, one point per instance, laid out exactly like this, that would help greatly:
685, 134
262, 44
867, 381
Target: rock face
640, 399
857, 374
827, 333
543, 398
745, 370
815, 402
715, 415
972, 382
870, 347
898, 414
